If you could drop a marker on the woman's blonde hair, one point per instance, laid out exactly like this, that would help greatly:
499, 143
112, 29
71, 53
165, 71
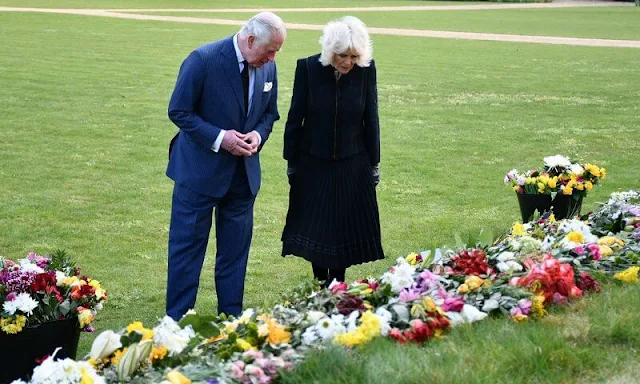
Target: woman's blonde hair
343, 34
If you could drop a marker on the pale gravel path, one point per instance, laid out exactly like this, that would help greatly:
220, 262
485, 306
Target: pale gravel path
372, 30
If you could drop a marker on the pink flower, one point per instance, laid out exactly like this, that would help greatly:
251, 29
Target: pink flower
579, 250
525, 306
452, 304
559, 299
407, 295
516, 311
338, 287
237, 369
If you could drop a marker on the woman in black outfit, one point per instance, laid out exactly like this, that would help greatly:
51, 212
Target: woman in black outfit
332, 146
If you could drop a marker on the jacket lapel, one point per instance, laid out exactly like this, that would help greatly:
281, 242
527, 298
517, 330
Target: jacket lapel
231, 69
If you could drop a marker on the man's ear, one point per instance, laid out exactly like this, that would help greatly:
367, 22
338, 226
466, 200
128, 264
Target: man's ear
250, 40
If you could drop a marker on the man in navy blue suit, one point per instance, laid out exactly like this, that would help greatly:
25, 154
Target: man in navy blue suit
224, 103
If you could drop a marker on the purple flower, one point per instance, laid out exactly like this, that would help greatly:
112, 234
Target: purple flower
212, 381
525, 306
427, 279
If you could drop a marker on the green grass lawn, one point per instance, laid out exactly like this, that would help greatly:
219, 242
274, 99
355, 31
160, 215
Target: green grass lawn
84, 138
619, 23
99, 4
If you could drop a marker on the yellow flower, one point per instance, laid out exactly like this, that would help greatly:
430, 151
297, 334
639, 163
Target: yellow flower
118, 355
576, 237
176, 377
231, 327
463, 288
368, 329
567, 190
276, 332
70, 280
541, 187
552, 218
593, 169
518, 229
630, 275
580, 186
605, 250
85, 377
85, 317
537, 305
610, 241
473, 282
603, 173
216, 338
516, 188
95, 284
243, 344
428, 304
412, 258
553, 182
12, 326
136, 326
520, 318
158, 353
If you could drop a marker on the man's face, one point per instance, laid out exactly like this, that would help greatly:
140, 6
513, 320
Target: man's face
260, 54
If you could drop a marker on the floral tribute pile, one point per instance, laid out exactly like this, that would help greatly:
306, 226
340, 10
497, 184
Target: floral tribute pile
559, 175
39, 289
519, 275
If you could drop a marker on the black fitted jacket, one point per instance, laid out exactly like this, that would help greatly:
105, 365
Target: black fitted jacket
332, 119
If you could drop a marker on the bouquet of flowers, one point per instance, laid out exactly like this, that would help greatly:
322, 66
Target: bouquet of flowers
559, 175
39, 289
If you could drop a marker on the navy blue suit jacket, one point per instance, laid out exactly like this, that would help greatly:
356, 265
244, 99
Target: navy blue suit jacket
208, 97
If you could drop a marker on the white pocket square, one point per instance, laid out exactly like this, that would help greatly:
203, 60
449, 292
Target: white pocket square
267, 86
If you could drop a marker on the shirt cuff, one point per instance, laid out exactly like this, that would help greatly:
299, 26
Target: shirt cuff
216, 144
259, 137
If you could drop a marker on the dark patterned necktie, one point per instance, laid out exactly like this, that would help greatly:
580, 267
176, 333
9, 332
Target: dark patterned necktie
245, 85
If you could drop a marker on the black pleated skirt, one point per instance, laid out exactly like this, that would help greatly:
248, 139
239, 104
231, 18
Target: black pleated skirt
333, 218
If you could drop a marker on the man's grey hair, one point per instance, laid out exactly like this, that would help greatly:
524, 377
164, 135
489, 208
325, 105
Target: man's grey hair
343, 34
264, 26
